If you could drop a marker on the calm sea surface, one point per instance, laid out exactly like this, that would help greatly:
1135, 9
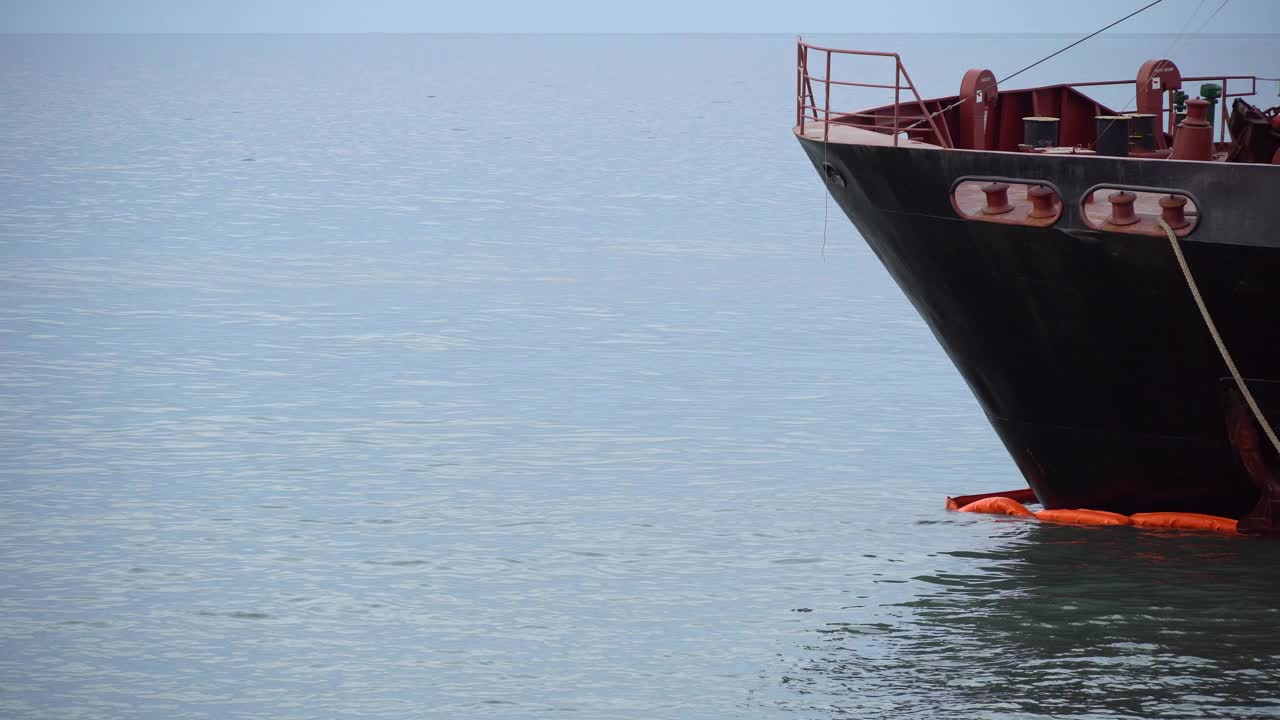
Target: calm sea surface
441, 377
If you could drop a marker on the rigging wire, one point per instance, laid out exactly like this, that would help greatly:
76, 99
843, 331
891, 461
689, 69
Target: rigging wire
1086, 37
1177, 39
1214, 15
961, 101
1173, 44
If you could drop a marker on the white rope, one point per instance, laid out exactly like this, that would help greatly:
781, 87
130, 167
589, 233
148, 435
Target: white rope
1213, 330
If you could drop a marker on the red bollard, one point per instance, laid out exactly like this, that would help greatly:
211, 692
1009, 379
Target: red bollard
1122, 208
1044, 202
1194, 140
997, 198
1171, 209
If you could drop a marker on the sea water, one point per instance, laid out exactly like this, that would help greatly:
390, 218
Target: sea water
392, 376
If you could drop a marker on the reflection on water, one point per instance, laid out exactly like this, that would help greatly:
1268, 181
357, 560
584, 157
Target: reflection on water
1067, 622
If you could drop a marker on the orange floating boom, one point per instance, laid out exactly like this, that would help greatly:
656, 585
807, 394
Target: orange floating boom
1002, 504
1083, 517
998, 506
1183, 521
1025, 495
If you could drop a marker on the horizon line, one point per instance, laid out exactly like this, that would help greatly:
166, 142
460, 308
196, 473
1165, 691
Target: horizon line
17, 33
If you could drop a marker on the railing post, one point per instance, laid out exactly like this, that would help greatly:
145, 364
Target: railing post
1222, 125
897, 85
799, 87
826, 103
808, 86
946, 142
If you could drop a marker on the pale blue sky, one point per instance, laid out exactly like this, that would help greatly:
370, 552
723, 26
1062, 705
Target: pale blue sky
771, 16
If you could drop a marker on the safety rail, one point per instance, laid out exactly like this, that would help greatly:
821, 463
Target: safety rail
878, 119
807, 103
1223, 110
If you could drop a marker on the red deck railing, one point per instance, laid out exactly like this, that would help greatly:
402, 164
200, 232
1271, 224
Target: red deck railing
1221, 109
888, 119
807, 108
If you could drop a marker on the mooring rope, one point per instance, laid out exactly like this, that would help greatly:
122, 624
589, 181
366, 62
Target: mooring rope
1217, 338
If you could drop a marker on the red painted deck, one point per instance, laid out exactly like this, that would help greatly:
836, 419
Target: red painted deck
857, 136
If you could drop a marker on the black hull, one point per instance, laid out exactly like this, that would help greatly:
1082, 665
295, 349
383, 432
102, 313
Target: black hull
1085, 348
